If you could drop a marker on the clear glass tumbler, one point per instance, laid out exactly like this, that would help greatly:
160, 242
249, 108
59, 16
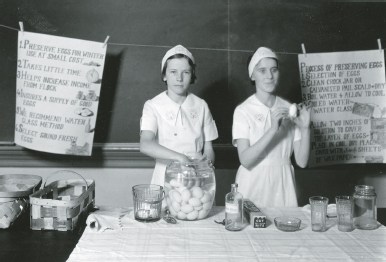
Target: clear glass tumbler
147, 202
318, 213
344, 212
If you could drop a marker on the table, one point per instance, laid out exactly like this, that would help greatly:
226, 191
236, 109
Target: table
204, 240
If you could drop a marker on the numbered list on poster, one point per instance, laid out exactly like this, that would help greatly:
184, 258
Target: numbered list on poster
348, 117
57, 93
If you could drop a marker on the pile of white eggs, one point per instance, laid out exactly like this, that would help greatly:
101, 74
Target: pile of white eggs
188, 203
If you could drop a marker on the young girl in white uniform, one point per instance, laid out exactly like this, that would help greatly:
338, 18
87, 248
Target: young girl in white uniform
176, 122
266, 136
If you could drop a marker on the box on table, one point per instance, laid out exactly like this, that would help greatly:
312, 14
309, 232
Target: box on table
15, 190
253, 214
62, 205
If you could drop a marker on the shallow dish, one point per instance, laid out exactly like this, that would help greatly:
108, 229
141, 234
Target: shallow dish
287, 224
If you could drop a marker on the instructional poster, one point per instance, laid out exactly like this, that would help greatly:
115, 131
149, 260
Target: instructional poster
347, 93
57, 93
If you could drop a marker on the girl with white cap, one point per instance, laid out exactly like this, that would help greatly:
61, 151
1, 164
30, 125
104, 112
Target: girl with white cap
266, 136
176, 121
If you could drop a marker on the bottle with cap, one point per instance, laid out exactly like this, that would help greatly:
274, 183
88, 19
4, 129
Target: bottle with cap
234, 209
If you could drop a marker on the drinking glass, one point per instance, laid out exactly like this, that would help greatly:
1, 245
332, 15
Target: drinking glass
344, 211
318, 213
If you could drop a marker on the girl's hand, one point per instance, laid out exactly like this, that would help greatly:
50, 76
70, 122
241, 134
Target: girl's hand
277, 115
182, 158
304, 118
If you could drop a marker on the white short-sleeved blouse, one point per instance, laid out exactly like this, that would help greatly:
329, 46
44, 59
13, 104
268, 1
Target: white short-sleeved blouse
181, 128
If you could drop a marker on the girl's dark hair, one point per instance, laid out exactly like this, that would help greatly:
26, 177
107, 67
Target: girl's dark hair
192, 65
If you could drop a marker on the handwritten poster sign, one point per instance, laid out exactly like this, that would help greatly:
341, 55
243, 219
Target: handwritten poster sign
57, 93
347, 94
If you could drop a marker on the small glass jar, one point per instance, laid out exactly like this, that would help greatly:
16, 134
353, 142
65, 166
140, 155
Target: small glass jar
190, 188
365, 207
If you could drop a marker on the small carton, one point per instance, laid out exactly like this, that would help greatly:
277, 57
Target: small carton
255, 217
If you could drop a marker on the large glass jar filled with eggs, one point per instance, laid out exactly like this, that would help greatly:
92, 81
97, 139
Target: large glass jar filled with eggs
190, 187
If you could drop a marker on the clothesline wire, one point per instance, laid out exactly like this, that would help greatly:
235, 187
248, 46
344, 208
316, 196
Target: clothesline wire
193, 48
200, 48
9, 27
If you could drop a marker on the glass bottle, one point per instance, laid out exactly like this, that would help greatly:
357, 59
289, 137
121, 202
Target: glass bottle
234, 209
365, 207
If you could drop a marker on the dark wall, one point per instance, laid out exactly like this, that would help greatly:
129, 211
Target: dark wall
208, 28
221, 34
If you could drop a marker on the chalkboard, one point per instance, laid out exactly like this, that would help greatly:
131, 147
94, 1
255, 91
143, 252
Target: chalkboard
221, 34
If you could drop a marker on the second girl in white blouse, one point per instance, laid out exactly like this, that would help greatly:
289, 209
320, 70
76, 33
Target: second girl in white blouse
266, 138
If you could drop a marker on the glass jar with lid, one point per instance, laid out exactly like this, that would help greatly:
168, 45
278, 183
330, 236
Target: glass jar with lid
365, 207
190, 187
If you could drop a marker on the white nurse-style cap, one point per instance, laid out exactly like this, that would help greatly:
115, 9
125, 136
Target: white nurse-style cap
260, 53
178, 49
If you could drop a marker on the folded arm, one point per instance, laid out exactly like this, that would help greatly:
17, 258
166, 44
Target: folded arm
249, 154
149, 146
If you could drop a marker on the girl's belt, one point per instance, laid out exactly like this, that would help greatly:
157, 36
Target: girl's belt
274, 161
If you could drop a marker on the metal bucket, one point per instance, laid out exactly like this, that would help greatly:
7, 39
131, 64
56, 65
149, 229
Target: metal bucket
147, 200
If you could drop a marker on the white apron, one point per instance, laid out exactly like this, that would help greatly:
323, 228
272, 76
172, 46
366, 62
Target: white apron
271, 182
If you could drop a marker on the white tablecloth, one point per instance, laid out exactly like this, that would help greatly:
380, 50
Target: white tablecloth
204, 240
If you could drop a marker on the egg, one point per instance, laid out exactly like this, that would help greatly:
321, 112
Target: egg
186, 195
173, 212
202, 213
198, 208
206, 198
175, 183
192, 215
176, 206
171, 194
176, 196
181, 189
207, 205
292, 111
198, 182
187, 208
195, 202
181, 215
197, 192
209, 187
